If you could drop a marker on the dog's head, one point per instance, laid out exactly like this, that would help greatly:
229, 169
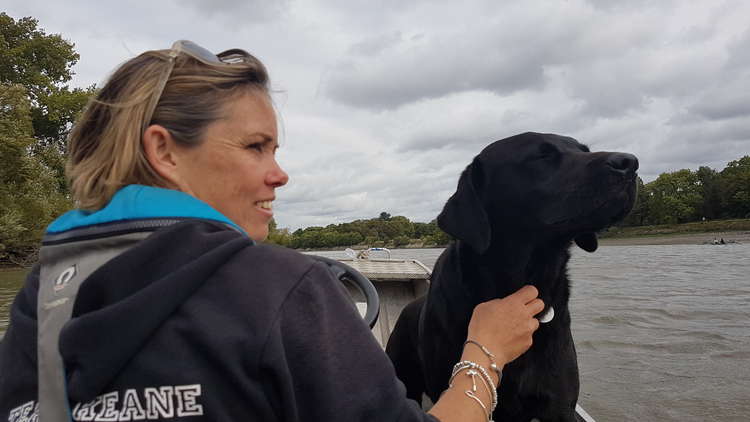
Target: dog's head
542, 185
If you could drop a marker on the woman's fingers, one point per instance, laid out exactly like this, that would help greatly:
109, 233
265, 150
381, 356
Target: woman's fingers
534, 324
535, 306
528, 296
526, 293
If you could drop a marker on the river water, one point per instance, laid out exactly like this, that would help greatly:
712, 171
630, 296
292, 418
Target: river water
662, 332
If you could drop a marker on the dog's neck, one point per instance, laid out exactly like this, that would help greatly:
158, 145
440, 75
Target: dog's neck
511, 262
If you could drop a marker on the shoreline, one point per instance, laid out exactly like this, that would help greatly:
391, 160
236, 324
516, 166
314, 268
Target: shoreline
696, 238
731, 237
705, 238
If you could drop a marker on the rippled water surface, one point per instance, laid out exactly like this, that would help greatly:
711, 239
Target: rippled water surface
10, 282
662, 332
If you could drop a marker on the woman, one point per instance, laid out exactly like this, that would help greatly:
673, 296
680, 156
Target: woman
152, 301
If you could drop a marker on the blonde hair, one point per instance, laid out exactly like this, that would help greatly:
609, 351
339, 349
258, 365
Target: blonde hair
105, 149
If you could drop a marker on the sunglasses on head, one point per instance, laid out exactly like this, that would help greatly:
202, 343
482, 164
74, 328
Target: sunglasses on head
227, 58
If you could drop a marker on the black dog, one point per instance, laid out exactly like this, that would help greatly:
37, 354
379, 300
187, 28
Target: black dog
518, 207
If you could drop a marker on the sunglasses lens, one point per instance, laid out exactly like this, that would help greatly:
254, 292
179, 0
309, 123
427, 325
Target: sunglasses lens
193, 49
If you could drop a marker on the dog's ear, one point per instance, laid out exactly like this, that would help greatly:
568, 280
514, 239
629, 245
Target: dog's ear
464, 216
587, 241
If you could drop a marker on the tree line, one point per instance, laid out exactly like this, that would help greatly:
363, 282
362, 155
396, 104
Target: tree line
685, 196
382, 231
38, 108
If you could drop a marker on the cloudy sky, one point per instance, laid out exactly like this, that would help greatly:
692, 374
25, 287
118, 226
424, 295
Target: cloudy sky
383, 103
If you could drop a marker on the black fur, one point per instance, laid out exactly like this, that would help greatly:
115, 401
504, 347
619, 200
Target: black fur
518, 207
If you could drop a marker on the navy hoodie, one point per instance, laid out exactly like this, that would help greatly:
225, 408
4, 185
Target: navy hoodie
188, 319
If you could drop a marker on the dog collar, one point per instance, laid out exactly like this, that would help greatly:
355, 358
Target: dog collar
548, 315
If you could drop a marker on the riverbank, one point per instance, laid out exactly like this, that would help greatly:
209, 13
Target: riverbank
697, 233
626, 239
730, 237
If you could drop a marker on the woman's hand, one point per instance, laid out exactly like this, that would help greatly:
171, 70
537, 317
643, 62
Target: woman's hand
505, 326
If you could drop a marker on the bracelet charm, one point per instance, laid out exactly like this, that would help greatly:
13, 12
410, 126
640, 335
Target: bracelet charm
474, 370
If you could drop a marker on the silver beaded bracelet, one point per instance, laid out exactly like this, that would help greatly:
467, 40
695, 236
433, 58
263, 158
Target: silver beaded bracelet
491, 356
484, 408
484, 376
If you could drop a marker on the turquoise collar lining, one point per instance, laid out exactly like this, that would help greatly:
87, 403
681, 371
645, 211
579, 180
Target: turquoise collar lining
135, 202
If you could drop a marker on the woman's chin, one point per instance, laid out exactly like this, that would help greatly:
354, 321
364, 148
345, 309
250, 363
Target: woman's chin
258, 234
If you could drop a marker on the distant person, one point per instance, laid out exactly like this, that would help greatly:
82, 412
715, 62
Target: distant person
153, 300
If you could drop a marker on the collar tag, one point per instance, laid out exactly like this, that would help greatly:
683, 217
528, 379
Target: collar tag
547, 316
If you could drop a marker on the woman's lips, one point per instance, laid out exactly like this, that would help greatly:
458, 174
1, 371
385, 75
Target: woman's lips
265, 207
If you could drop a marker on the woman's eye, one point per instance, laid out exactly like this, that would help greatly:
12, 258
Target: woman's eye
258, 146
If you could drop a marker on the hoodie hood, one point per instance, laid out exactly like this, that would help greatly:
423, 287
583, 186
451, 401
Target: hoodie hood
132, 280
121, 304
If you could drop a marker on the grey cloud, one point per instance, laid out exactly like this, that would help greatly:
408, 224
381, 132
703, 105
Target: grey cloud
462, 126
374, 45
727, 98
719, 108
470, 140
238, 11
697, 34
697, 144
440, 64
618, 5
367, 185
502, 57
613, 63
739, 52
607, 94
422, 142
379, 89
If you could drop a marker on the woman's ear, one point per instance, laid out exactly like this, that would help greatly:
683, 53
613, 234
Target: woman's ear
160, 150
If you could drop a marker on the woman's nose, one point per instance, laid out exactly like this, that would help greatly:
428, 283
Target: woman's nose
276, 176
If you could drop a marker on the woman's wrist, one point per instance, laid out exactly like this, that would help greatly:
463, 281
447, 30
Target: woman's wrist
475, 354
469, 398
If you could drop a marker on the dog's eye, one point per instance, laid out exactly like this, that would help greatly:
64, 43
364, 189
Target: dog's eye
546, 152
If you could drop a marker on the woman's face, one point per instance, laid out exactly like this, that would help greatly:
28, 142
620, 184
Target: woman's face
234, 169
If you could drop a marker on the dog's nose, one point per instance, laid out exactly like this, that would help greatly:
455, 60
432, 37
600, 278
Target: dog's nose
622, 162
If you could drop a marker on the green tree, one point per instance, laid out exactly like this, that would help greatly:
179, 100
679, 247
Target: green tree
29, 195
674, 197
43, 63
710, 190
736, 188
277, 236
401, 241
422, 230
400, 226
37, 110
440, 238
